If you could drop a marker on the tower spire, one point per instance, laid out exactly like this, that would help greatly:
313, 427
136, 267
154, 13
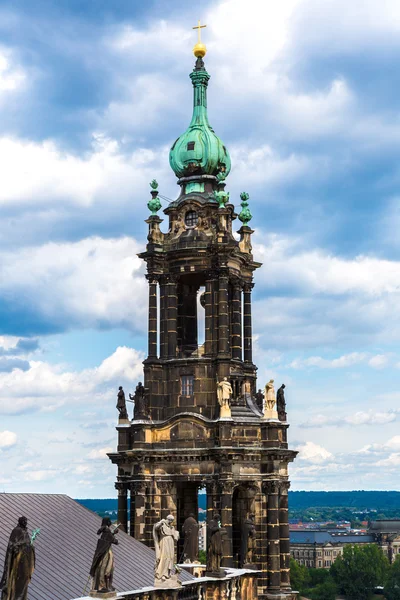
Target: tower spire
199, 151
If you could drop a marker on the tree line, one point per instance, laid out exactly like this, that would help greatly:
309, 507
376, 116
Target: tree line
356, 575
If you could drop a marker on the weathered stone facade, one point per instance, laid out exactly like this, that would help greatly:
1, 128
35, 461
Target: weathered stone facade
184, 447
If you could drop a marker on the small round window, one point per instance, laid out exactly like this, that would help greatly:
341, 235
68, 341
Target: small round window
191, 218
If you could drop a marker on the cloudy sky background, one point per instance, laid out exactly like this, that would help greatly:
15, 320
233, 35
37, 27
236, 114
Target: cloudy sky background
305, 95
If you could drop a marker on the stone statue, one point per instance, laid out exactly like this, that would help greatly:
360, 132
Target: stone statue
165, 536
121, 404
224, 393
191, 539
281, 403
247, 542
19, 563
139, 398
270, 401
102, 569
260, 400
214, 548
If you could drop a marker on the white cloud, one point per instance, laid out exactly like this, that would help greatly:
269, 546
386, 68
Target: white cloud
394, 443
313, 453
45, 384
11, 77
312, 298
323, 273
100, 454
42, 174
369, 417
93, 282
7, 439
347, 360
391, 462
378, 362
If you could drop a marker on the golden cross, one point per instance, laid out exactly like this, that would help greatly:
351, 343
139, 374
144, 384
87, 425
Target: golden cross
198, 27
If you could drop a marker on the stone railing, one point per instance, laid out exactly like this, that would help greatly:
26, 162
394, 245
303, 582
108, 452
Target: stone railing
238, 584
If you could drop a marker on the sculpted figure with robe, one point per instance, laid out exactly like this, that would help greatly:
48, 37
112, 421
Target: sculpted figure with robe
281, 403
248, 541
191, 539
224, 394
19, 563
102, 569
121, 404
214, 548
165, 537
269, 395
139, 398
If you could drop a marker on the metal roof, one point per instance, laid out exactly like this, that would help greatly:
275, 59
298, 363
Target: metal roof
325, 537
385, 525
66, 544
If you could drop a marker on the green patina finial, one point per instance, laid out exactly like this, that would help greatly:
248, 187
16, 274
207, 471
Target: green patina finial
221, 176
221, 197
154, 184
154, 204
34, 535
245, 215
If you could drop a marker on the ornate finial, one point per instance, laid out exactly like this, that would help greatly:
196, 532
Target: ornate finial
221, 197
221, 176
200, 49
154, 204
245, 215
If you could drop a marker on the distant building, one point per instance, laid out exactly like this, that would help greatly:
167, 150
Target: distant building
320, 548
202, 536
387, 535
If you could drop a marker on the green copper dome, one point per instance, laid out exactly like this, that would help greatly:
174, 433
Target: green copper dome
199, 150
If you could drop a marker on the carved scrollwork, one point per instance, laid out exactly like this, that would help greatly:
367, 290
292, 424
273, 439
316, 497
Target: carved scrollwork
138, 487
166, 487
248, 286
284, 486
270, 487
121, 489
227, 487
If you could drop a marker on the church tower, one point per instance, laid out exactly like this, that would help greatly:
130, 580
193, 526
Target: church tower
187, 438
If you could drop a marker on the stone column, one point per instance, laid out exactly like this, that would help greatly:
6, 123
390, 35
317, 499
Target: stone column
213, 503
163, 317
223, 314
273, 546
227, 488
172, 313
138, 505
284, 534
237, 321
209, 311
247, 327
152, 317
122, 506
